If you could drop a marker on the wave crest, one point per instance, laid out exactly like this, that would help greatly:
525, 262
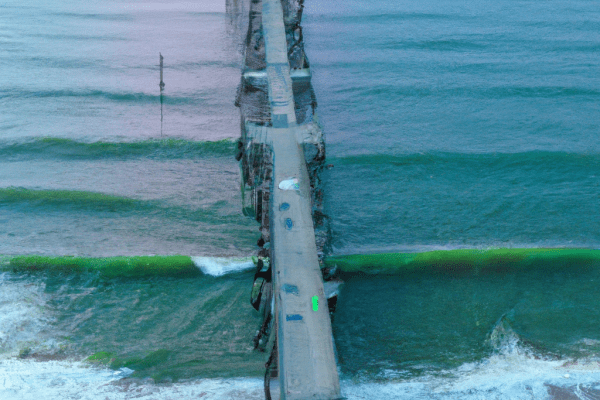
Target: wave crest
61, 148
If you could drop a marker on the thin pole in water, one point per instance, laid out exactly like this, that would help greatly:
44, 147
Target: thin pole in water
162, 87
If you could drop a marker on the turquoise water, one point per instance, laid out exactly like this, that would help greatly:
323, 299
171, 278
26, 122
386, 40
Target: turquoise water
436, 322
470, 124
449, 125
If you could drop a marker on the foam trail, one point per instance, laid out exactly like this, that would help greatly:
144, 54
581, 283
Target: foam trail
57, 380
23, 319
513, 371
219, 266
502, 377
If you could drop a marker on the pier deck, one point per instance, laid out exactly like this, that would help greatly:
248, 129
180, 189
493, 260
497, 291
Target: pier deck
306, 361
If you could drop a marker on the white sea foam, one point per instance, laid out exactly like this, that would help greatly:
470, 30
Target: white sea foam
218, 266
57, 380
499, 377
514, 372
24, 320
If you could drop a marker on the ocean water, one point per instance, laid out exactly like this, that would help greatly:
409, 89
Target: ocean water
449, 125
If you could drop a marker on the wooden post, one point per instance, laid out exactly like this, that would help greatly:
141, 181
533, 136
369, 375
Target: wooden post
162, 87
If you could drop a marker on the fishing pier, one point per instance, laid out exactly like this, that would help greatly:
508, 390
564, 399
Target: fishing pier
278, 155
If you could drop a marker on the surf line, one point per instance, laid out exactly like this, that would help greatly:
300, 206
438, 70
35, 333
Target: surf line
465, 261
281, 151
457, 261
129, 266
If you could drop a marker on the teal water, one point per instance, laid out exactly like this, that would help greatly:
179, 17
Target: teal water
173, 328
449, 125
458, 200
469, 124
434, 323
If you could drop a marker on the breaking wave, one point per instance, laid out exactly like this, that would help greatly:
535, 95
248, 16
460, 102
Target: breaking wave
466, 261
60, 148
135, 266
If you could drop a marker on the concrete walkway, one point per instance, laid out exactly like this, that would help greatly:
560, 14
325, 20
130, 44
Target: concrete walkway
306, 363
